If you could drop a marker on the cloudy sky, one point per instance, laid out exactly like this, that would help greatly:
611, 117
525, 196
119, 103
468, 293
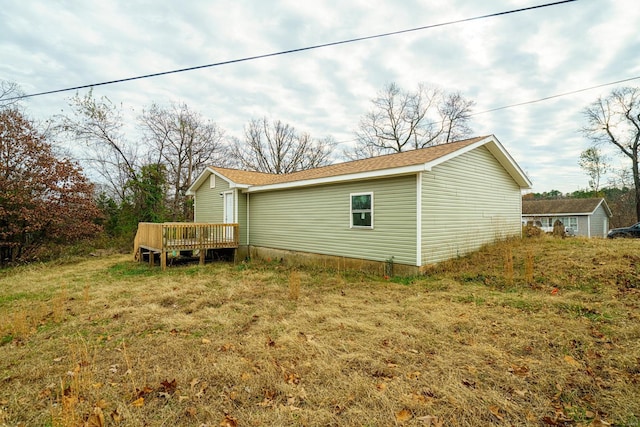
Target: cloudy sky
497, 62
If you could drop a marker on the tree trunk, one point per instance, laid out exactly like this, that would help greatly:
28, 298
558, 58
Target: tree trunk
636, 182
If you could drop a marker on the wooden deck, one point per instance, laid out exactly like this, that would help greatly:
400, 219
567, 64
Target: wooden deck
169, 237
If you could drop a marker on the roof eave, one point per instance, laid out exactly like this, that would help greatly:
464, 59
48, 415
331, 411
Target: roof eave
405, 170
191, 191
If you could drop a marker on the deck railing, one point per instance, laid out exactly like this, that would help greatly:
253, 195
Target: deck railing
182, 236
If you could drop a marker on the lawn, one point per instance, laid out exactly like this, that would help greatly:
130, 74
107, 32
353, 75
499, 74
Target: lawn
538, 332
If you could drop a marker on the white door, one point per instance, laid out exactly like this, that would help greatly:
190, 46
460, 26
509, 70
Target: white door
228, 214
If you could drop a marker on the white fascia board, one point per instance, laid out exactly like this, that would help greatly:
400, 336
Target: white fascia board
605, 206
191, 191
405, 170
561, 214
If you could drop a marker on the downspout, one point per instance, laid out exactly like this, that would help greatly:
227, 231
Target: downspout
589, 226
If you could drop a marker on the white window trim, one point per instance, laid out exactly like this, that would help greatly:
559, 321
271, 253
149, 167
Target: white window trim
360, 227
212, 181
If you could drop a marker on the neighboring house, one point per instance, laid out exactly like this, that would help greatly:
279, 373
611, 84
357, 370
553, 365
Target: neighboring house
409, 209
585, 217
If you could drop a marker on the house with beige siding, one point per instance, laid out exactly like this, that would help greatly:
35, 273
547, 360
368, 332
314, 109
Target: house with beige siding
582, 217
409, 209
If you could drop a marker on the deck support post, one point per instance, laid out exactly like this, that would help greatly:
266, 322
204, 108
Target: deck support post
151, 255
163, 260
203, 254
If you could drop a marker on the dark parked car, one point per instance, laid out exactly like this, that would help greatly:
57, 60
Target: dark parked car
633, 231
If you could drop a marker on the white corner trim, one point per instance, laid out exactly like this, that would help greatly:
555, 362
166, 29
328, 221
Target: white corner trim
248, 220
419, 219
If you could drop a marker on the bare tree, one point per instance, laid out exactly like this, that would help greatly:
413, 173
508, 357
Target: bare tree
402, 120
594, 163
277, 148
186, 143
615, 120
97, 125
10, 94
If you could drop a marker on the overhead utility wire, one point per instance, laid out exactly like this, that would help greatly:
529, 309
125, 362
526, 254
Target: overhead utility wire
284, 52
546, 98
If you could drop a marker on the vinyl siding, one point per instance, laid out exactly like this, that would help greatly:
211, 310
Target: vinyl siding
599, 223
317, 220
467, 202
583, 225
209, 205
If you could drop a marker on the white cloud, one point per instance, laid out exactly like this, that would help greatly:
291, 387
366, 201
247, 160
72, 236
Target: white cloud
496, 61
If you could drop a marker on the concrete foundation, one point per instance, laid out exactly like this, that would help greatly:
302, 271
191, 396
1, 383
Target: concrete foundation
295, 258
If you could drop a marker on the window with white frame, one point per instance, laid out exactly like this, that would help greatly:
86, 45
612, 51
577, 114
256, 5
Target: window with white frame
212, 181
571, 222
567, 221
361, 206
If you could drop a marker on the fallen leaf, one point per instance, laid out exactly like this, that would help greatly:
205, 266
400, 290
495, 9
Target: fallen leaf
571, 361
206, 341
229, 421
292, 378
599, 422
96, 419
203, 388
138, 403
144, 392
227, 347
381, 386
519, 371
403, 415
115, 416
413, 375
191, 411
430, 420
495, 410
521, 393
169, 386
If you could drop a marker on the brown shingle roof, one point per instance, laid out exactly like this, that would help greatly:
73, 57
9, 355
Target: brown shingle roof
559, 206
389, 161
245, 177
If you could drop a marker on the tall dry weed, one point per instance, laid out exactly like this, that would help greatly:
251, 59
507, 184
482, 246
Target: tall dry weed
59, 304
508, 265
528, 267
294, 285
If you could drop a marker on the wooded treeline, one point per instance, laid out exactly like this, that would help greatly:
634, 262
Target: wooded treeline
88, 170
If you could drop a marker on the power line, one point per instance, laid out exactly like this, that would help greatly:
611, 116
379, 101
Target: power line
285, 52
546, 98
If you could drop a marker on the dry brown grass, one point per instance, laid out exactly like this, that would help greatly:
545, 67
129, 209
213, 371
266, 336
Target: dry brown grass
552, 339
